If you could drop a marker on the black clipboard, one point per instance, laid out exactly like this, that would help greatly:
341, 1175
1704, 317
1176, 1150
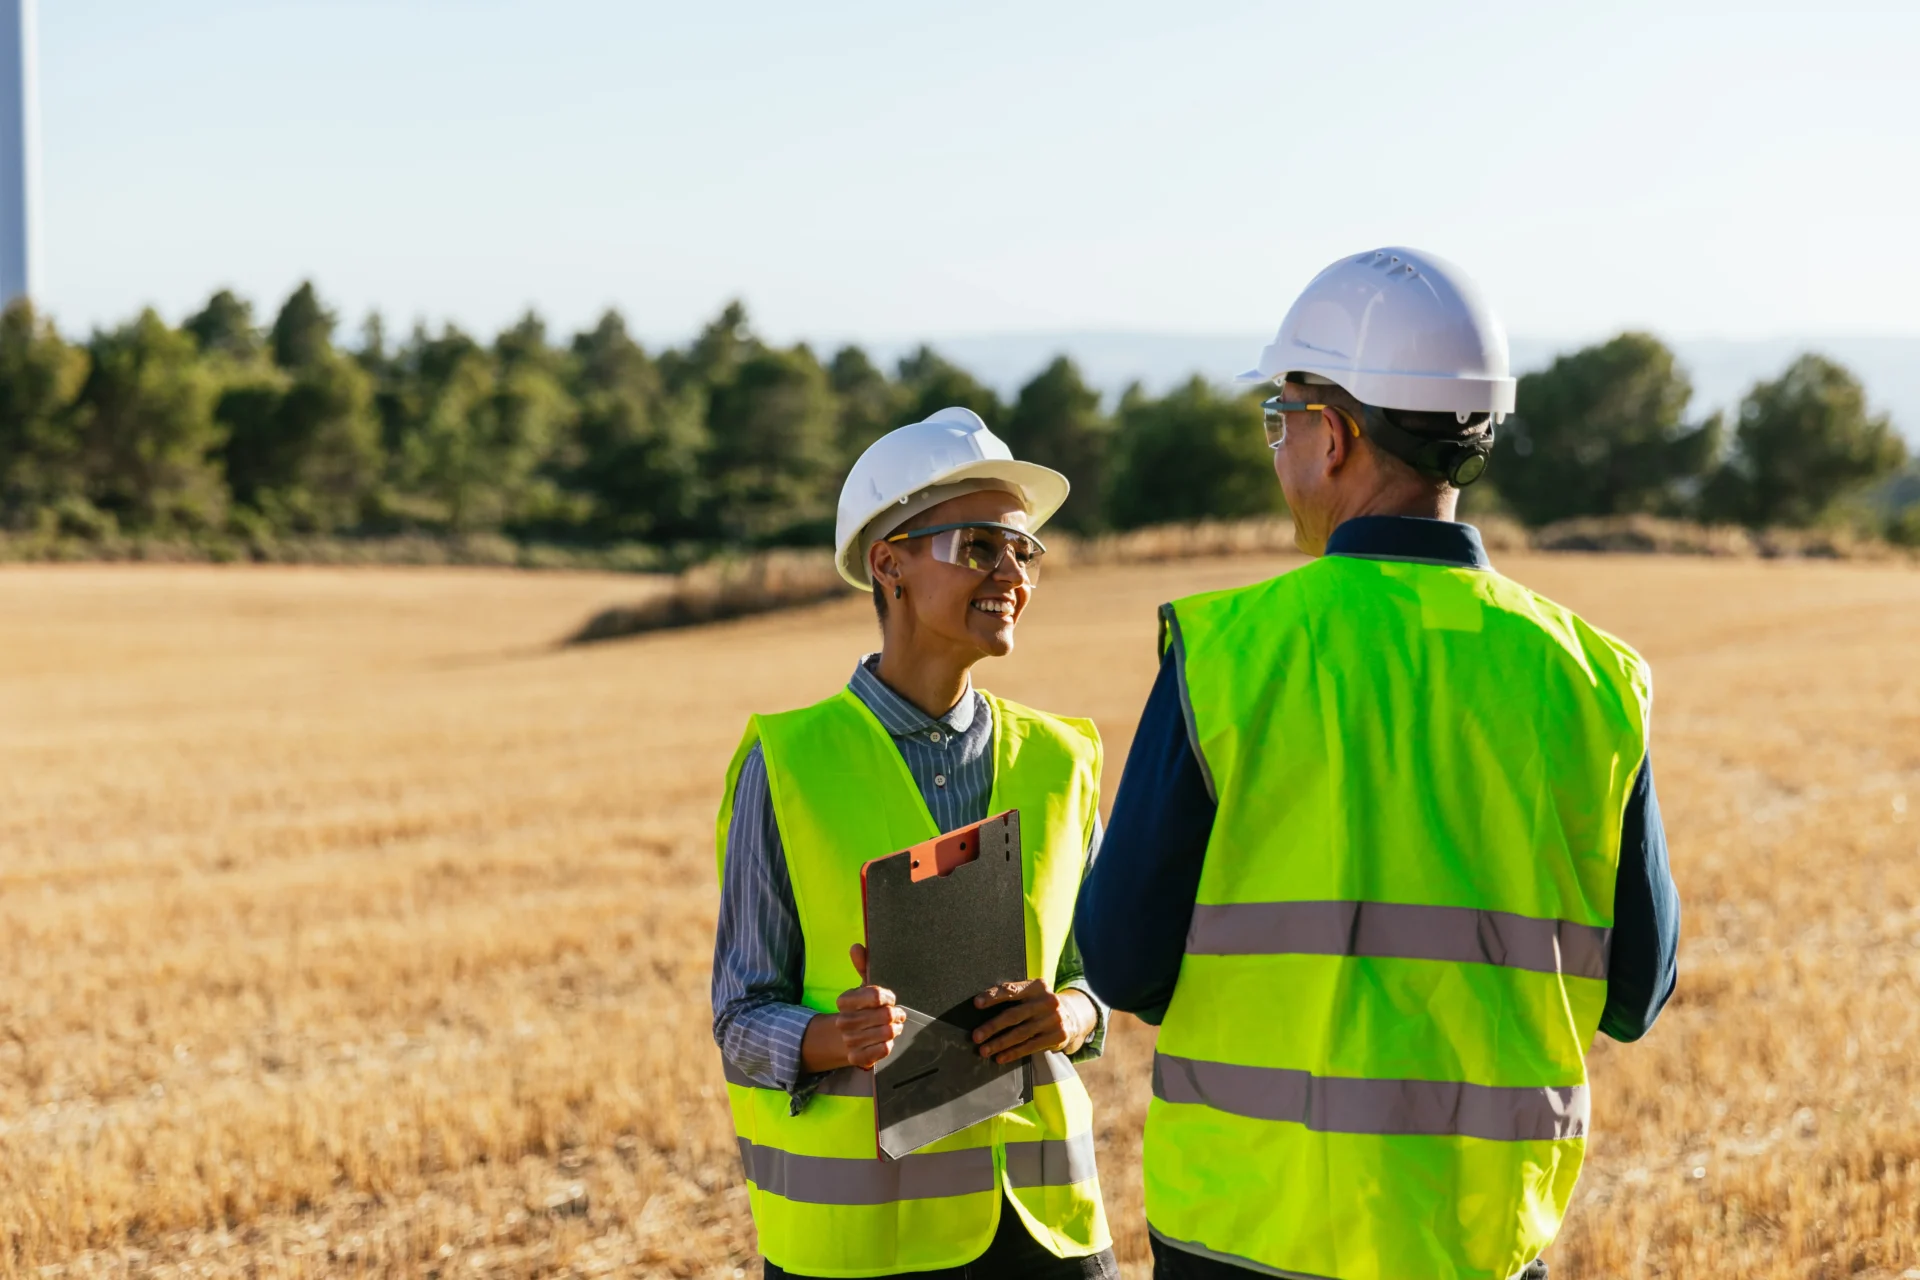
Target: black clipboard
945, 920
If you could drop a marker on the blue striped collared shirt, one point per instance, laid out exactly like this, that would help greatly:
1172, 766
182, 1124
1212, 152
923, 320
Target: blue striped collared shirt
759, 954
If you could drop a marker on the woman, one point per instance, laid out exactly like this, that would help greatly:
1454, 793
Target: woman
940, 520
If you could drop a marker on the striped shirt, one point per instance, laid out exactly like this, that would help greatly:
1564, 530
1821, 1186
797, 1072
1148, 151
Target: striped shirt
759, 954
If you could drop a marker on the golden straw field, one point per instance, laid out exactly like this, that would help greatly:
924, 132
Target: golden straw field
349, 927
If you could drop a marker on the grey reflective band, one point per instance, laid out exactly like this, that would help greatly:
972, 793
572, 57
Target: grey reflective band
1343, 1104
1052, 1068
847, 1082
841, 1180
1402, 931
1051, 1162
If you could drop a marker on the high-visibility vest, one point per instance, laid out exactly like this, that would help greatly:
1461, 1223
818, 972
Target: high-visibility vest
823, 1203
1374, 1063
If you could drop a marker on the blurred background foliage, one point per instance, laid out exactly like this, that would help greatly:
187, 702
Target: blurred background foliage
228, 427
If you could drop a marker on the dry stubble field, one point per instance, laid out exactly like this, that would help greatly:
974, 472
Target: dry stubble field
348, 928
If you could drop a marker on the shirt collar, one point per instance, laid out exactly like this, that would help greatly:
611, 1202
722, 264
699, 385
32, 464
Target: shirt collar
900, 717
1445, 542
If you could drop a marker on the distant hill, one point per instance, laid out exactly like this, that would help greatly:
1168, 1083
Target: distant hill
1722, 368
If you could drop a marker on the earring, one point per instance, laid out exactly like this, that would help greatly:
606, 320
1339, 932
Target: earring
896, 591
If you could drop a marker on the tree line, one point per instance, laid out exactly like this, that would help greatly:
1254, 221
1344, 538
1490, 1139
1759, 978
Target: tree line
225, 425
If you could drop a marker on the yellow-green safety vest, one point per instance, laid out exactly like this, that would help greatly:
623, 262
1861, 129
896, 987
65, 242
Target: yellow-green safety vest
1374, 1063
823, 1203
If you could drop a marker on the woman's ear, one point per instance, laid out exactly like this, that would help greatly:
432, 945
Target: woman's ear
883, 563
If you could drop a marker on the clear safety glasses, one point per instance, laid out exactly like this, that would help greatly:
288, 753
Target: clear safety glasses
982, 547
1275, 413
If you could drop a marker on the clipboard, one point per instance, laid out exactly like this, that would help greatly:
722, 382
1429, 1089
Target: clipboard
945, 920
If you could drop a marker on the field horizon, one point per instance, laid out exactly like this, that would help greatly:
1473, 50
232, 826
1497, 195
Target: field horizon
352, 925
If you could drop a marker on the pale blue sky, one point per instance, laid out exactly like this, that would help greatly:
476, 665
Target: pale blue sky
889, 171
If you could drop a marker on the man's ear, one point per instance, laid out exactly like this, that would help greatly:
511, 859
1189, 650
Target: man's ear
1340, 441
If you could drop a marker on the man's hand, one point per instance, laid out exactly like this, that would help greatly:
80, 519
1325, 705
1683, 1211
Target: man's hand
1037, 1019
860, 1034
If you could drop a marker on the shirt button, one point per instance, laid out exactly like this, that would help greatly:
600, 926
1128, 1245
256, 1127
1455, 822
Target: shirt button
939, 779
934, 736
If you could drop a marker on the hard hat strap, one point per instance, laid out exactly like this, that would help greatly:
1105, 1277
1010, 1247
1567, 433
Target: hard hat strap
1458, 459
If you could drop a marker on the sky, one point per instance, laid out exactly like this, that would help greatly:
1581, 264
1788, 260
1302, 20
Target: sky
888, 172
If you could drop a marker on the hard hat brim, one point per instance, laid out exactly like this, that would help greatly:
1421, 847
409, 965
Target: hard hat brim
1427, 393
1041, 488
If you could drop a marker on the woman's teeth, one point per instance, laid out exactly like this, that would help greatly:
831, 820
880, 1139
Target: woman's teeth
994, 606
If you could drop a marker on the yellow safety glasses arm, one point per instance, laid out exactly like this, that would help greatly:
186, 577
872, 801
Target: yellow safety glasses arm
1274, 415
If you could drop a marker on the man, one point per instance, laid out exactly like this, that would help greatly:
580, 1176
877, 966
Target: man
1386, 852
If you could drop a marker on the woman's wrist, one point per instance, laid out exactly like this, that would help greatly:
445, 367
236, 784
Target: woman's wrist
1086, 1017
821, 1048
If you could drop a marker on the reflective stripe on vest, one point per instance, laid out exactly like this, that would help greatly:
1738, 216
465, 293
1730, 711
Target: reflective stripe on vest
1398, 953
1047, 1162
823, 1203
843, 1180
1407, 930
1340, 1104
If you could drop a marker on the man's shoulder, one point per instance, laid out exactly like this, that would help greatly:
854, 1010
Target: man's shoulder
1206, 614
1595, 637
1266, 588
1598, 649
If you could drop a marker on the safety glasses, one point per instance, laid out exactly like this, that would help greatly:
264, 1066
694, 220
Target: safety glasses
1274, 413
981, 547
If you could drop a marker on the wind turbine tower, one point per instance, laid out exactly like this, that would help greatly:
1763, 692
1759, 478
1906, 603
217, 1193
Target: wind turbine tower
18, 144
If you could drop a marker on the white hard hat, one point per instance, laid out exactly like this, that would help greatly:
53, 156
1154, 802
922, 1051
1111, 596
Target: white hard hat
935, 459
1399, 329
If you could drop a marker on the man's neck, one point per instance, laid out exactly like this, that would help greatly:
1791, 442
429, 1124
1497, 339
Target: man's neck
1396, 500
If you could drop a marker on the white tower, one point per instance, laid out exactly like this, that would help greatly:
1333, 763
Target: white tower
18, 161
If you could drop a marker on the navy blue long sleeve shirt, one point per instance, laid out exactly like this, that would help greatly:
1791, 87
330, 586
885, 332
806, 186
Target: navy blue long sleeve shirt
1137, 903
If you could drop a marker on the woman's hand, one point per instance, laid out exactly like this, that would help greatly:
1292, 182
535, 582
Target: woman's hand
1037, 1019
860, 1034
